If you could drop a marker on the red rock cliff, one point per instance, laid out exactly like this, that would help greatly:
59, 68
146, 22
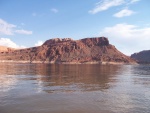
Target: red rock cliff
66, 50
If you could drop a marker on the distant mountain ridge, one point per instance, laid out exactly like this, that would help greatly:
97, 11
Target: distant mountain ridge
87, 50
142, 57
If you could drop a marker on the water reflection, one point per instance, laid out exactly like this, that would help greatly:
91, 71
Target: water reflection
142, 75
74, 88
7, 83
70, 78
52, 78
6, 80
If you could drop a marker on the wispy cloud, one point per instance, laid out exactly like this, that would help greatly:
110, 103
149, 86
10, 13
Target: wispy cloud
10, 29
39, 43
106, 4
54, 10
128, 38
123, 13
133, 1
9, 43
6, 28
25, 32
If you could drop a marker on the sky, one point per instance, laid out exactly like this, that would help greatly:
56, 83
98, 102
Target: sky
28, 23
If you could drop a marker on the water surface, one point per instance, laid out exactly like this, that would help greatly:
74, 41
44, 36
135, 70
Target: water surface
45, 88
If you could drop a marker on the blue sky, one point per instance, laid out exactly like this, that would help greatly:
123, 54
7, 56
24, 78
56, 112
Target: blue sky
27, 23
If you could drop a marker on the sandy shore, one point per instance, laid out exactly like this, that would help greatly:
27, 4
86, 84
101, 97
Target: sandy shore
47, 62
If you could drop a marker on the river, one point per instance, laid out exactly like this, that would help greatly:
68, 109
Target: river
50, 88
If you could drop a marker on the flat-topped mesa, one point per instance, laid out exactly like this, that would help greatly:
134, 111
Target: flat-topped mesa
93, 41
87, 50
57, 40
96, 41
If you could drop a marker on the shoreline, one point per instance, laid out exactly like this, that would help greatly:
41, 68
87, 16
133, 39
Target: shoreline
47, 62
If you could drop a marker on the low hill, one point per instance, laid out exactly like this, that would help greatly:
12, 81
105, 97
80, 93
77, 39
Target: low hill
142, 57
6, 49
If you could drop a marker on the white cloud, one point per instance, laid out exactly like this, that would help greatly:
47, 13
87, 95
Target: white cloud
9, 43
10, 29
123, 13
39, 43
6, 28
54, 10
25, 32
106, 4
128, 38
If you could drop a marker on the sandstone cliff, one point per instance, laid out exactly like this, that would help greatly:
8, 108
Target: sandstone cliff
88, 50
142, 57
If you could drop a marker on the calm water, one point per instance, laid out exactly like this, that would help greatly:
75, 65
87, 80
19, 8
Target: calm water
44, 88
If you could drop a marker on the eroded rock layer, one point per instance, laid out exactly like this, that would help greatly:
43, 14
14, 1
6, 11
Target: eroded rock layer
88, 50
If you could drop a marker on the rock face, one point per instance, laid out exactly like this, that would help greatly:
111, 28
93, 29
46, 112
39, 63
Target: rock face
88, 50
142, 57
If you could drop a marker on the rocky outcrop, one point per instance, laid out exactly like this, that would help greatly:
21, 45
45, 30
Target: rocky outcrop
142, 57
88, 50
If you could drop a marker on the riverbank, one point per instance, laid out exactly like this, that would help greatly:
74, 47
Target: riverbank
47, 62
